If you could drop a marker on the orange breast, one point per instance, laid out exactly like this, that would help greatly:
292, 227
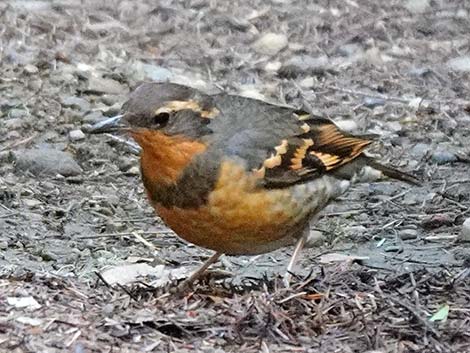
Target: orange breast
239, 218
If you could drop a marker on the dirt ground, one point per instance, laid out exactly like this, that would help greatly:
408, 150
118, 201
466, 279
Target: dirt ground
399, 69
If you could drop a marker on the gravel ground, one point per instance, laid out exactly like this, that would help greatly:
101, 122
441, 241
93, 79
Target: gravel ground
390, 269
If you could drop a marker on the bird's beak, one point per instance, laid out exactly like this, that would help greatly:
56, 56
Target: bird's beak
108, 125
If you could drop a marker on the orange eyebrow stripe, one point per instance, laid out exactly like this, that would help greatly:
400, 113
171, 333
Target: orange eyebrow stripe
176, 106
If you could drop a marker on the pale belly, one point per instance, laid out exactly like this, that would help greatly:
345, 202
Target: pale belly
242, 219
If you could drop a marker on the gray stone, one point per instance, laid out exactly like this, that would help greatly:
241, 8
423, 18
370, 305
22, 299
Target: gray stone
76, 135
111, 99
465, 232
372, 102
419, 71
315, 239
347, 125
443, 157
407, 234
156, 73
113, 110
355, 232
461, 63
417, 6
420, 150
101, 85
108, 309
270, 43
93, 117
5, 156
273, 66
304, 65
17, 113
33, 6
35, 85
394, 126
393, 248
13, 124
349, 49
76, 103
135, 170
46, 161
31, 69
307, 82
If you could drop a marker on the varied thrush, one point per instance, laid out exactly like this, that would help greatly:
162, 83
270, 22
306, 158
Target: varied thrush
237, 175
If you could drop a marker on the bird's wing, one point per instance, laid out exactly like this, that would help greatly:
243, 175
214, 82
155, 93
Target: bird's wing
320, 148
281, 145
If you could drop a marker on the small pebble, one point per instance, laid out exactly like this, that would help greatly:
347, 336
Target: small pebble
355, 232
417, 6
347, 125
419, 71
101, 85
420, 150
108, 309
13, 124
372, 102
302, 65
31, 203
5, 156
76, 103
113, 110
156, 73
307, 82
349, 49
270, 43
31, 69
17, 113
395, 126
461, 63
76, 135
111, 99
393, 248
407, 234
272, 66
46, 161
465, 232
135, 170
93, 117
438, 220
443, 157
315, 238
35, 85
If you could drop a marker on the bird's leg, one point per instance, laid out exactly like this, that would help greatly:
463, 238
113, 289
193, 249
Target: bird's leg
188, 281
298, 248
295, 256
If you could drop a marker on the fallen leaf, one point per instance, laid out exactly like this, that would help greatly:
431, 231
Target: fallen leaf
131, 273
24, 302
314, 296
441, 314
29, 321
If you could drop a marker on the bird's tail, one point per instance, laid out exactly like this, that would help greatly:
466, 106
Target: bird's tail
367, 169
391, 172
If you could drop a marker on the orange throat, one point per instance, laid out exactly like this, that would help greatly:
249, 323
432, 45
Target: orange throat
164, 157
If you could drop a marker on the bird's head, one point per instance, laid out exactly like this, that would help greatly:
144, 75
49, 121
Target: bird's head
168, 108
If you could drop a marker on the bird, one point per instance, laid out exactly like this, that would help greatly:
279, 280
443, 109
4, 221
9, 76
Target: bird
237, 175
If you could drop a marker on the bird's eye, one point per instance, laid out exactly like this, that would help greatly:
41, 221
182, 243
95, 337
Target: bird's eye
161, 118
